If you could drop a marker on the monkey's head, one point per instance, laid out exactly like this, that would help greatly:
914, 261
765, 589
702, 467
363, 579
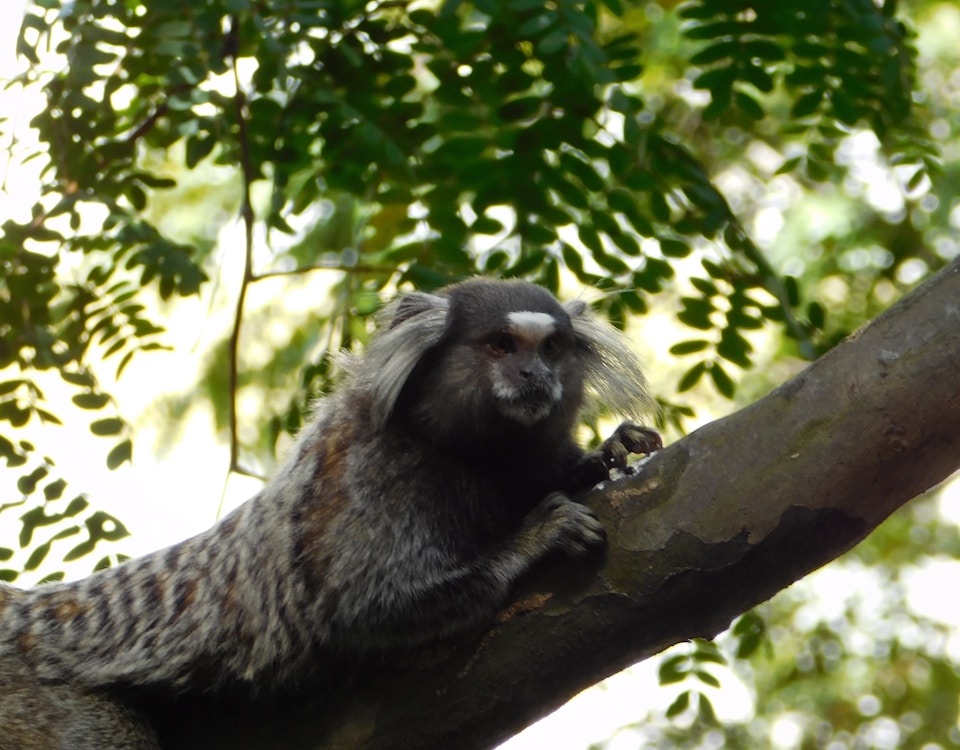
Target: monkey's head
508, 356
484, 358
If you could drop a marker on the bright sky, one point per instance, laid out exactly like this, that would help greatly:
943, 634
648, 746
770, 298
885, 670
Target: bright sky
174, 491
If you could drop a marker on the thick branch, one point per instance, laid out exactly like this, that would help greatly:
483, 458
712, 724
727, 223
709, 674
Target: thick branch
714, 525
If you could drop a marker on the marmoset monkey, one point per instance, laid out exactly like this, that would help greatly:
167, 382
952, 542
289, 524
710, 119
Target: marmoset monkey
423, 488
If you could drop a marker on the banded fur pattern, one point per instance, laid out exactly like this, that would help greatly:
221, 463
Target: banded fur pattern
422, 489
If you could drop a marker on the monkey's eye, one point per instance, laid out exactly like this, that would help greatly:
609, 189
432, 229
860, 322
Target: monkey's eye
552, 345
502, 343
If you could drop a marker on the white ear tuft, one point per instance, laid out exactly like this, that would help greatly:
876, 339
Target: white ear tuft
409, 327
613, 371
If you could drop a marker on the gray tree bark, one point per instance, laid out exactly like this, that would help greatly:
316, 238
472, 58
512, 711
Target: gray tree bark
713, 525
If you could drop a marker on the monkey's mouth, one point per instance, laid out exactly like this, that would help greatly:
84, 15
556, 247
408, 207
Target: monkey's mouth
529, 406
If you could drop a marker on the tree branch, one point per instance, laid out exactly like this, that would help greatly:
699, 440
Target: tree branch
712, 526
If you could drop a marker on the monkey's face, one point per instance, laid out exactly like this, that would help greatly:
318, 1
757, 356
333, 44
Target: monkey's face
506, 367
525, 362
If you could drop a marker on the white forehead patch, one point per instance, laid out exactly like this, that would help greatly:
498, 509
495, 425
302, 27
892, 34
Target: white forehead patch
535, 325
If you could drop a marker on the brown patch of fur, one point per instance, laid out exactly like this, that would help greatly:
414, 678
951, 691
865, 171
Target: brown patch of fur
317, 512
67, 611
186, 595
27, 642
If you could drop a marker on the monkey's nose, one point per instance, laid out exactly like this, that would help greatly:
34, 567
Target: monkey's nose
533, 369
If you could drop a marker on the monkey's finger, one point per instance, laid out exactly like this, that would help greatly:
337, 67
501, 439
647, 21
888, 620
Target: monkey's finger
614, 453
639, 439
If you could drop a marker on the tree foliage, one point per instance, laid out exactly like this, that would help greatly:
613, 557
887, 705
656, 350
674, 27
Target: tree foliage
631, 146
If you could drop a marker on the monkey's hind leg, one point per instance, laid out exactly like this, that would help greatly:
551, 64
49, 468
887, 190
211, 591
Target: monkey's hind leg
36, 715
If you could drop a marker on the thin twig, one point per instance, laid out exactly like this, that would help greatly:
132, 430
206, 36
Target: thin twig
348, 269
246, 213
144, 127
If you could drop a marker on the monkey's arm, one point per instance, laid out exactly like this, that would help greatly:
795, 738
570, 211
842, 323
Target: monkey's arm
404, 609
595, 466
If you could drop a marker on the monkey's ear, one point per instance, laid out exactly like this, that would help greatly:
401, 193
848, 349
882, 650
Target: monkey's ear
612, 370
409, 327
412, 304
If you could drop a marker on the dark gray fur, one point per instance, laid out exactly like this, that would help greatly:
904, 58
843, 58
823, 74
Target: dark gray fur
407, 510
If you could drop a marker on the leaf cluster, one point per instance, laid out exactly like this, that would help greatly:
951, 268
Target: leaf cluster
415, 146
49, 517
824, 67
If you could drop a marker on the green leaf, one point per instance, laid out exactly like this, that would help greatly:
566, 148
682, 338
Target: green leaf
689, 347
673, 669
46, 416
733, 347
111, 426
571, 193
91, 401
691, 377
674, 248
706, 712
27, 484
555, 41
198, 148
750, 631
486, 225
611, 263
574, 262
723, 382
758, 76
522, 108
626, 203
679, 705
659, 207
538, 234
583, 171
121, 453
54, 490
462, 147
10, 386
37, 556
40, 553
706, 678
706, 287
717, 52
806, 104
817, 315
81, 378
125, 360
537, 24
749, 106
627, 244
696, 313
716, 79
793, 290
590, 238
789, 165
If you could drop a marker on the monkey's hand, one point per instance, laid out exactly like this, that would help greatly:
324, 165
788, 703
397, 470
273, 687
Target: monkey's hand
627, 438
560, 523
596, 465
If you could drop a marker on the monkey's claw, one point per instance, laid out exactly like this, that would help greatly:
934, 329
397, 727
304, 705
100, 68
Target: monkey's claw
568, 525
629, 438
639, 439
